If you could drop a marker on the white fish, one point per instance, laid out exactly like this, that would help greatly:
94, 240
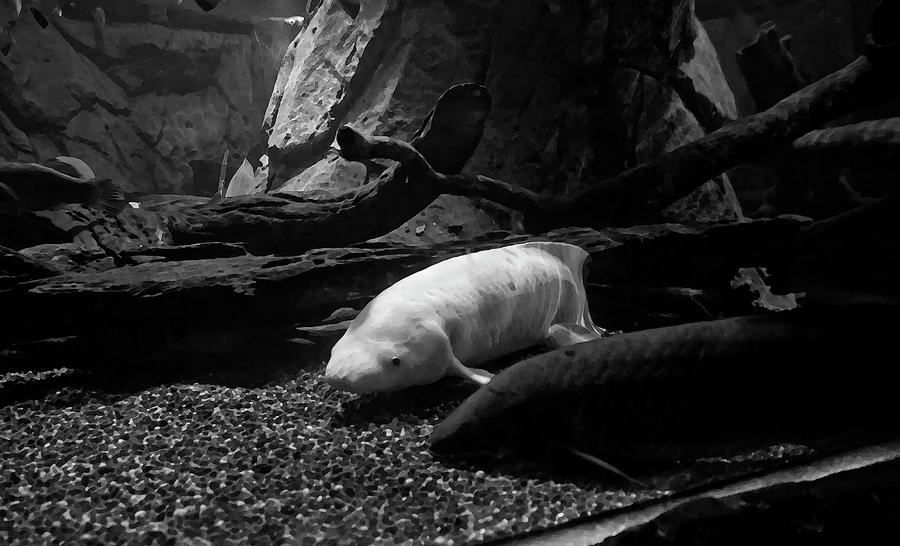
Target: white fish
462, 312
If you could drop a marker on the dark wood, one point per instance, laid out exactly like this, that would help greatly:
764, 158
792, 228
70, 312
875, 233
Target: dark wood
229, 306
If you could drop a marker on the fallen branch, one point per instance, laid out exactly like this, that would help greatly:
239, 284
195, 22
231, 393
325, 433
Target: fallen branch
291, 223
648, 188
869, 142
637, 193
235, 305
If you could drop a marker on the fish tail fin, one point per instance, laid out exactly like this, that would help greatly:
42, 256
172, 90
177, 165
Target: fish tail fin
109, 196
577, 259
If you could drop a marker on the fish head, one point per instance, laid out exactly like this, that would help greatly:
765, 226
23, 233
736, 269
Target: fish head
493, 443
389, 357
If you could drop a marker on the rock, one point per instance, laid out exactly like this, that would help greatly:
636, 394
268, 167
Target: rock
705, 68
827, 34
18, 266
769, 68
248, 180
14, 143
150, 106
668, 124
332, 173
71, 257
715, 201
555, 122
452, 218
75, 237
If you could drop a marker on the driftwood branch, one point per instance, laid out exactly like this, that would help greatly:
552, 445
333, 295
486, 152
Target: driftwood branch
868, 142
290, 224
621, 199
648, 188
239, 304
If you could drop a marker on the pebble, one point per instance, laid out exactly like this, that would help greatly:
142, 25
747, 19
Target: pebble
291, 461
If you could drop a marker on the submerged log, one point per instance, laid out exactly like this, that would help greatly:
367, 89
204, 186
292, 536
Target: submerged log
646, 189
870, 143
288, 223
229, 305
283, 223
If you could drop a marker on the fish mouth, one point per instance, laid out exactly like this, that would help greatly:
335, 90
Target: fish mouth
340, 383
345, 384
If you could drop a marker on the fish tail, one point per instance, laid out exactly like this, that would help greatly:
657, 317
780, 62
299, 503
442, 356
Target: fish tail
108, 195
577, 259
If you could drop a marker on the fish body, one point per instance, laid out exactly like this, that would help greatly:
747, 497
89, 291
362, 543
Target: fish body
709, 389
462, 312
30, 187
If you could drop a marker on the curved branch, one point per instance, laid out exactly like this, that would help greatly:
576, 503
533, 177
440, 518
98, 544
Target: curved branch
650, 187
875, 141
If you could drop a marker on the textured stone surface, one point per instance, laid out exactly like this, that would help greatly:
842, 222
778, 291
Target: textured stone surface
827, 34
279, 292
150, 99
563, 115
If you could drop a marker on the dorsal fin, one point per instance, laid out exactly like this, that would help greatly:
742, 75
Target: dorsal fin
576, 258
571, 255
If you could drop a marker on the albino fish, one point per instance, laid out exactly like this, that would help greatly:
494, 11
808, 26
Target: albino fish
462, 312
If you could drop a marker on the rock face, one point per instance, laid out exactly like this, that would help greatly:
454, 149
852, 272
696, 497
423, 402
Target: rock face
827, 34
147, 93
566, 110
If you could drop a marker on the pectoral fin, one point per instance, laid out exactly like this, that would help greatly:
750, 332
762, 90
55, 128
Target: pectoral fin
561, 335
605, 466
475, 375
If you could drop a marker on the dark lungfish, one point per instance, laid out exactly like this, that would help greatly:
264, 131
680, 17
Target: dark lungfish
29, 186
706, 389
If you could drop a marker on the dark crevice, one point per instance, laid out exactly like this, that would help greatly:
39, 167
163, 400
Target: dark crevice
702, 107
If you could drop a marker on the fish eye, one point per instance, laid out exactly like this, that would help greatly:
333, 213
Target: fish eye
395, 361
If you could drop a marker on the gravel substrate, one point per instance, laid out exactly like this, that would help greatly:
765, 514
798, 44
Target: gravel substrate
289, 461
